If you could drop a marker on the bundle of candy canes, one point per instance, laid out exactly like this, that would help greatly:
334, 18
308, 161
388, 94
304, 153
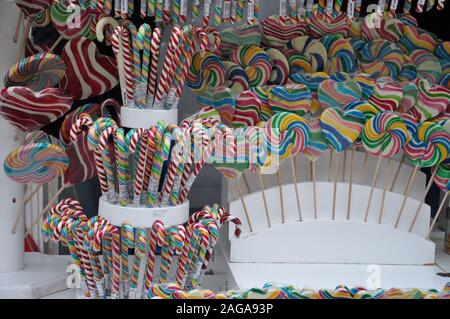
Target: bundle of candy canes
274, 291
103, 253
141, 84
130, 165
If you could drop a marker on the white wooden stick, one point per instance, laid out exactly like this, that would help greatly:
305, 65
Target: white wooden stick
294, 175
261, 183
374, 181
430, 183
405, 198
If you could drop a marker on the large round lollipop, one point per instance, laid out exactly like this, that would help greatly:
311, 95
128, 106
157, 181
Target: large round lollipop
36, 163
255, 61
37, 72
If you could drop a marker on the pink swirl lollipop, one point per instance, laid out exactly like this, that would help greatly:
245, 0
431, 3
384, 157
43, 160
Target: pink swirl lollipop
37, 163
277, 34
248, 110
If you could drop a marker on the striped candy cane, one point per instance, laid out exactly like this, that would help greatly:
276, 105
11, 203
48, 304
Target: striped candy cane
195, 9
167, 65
155, 50
127, 243
143, 9
84, 121
358, 7
139, 254
157, 237
136, 47
159, 11
149, 157
218, 12
144, 38
122, 49
151, 6
107, 158
122, 165
166, 12
206, 12
293, 10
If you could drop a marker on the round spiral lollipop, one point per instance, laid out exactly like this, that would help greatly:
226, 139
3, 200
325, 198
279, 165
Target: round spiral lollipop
33, 7
36, 163
429, 146
442, 177
37, 72
381, 58
206, 72
256, 63
314, 51
385, 135
236, 78
287, 134
280, 69
62, 16
341, 57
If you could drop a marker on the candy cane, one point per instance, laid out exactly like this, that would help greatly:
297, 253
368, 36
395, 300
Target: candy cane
174, 243
206, 12
131, 7
108, 6
156, 238
173, 44
183, 11
209, 235
135, 47
139, 253
166, 12
218, 12
117, 7
158, 11
138, 181
149, 157
101, 24
155, 48
127, 243
121, 47
108, 161
122, 165
195, 9
84, 121
226, 11
162, 141
144, 37
143, 9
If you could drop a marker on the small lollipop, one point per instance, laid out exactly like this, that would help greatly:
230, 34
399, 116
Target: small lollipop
255, 61
295, 98
247, 111
337, 94
431, 101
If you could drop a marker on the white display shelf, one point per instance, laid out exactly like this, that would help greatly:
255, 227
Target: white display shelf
143, 217
133, 117
324, 240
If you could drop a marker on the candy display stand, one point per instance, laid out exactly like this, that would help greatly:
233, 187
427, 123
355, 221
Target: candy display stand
143, 217
133, 117
321, 239
22, 275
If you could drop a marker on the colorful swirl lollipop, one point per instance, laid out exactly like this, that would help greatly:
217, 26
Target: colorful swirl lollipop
366, 83
70, 24
263, 94
236, 78
313, 49
276, 34
37, 72
256, 63
294, 98
248, 110
234, 37
317, 142
341, 128
287, 134
368, 109
221, 100
337, 94
414, 38
386, 96
388, 29
280, 67
37, 163
331, 25
429, 146
206, 72
341, 57
427, 65
381, 58
431, 101
442, 177
385, 135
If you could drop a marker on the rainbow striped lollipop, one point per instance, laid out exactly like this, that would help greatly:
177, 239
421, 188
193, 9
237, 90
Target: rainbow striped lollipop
256, 63
385, 135
341, 128
37, 163
317, 142
37, 72
429, 146
442, 177
295, 98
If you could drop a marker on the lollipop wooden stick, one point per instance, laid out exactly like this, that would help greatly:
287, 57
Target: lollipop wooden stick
397, 173
386, 179
297, 196
350, 184
430, 183
336, 173
247, 216
405, 198
344, 166
281, 195
313, 170
247, 185
441, 207
374, 181
330, 165
363, 168
263, 193
18, 24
